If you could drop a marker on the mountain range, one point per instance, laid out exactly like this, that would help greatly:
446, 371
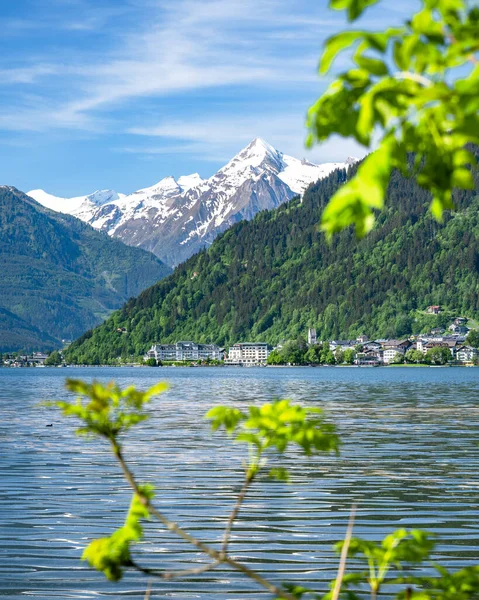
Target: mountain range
59, 276
177, 217
271, 278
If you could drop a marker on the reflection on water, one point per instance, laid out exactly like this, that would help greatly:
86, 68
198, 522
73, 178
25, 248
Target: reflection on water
410, 458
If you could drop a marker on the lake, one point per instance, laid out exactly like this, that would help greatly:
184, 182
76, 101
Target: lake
410, 458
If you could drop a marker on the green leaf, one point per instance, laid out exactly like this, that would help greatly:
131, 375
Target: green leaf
373, 65
112, 554
354, 7
109, 410
334, 45
353, 202
276, 426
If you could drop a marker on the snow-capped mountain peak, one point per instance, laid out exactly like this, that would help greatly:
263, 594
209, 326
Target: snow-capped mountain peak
167, 185
351, 160
101, 197
82, 207
186, 182
175, 217
256, 152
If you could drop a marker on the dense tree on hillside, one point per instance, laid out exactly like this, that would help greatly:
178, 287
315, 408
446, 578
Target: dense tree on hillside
438, 355
473, 338
54, 359
273, 277
59, 276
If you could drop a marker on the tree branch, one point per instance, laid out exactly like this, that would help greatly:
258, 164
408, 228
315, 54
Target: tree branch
174, 574
148, 590
171, 526
234, 513
344, 555
413, 77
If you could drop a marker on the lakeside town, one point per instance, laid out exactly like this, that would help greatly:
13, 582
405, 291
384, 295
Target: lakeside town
455, 345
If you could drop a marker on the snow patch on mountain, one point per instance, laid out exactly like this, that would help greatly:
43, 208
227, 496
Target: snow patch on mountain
83, 207
175, 217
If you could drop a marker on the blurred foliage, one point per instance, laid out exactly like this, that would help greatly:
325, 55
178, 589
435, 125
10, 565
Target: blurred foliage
112, 554
108, 410
416, 87
276, 425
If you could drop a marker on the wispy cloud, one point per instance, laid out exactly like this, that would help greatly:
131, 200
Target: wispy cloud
185, 47
217, 139
104, 83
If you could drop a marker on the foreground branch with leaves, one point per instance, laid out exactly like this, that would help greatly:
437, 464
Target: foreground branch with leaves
268, 431
415, 88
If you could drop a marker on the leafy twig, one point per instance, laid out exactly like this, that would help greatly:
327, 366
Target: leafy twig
171, 526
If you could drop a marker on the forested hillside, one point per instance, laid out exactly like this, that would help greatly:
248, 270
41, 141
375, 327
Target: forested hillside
271, 278
60, 277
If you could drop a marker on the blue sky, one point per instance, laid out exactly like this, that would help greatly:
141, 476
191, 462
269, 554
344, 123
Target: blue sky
119, 93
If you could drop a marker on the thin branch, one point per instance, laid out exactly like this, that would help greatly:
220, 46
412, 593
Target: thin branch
234, 513
188, 572
171, 526
148, 590
413, 77
174, 574
257, 577
344, 554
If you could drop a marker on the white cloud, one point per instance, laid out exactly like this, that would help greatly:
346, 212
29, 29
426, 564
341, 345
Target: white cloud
185, 46
179, 48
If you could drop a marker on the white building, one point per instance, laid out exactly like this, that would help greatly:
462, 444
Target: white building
466, 354
312, 339
183, 351
248, 354
393, 347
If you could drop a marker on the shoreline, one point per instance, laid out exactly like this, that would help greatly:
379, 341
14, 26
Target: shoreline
140, 366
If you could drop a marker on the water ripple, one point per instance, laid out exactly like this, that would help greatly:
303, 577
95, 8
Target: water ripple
410, 459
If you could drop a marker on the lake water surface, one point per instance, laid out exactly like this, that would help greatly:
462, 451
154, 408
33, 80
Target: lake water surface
410, 458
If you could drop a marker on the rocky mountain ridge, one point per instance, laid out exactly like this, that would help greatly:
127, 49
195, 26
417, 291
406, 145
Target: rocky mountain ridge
176, 217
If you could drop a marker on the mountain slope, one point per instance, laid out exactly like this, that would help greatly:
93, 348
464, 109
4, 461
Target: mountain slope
60, 276
175, 218
17, 334
271, 278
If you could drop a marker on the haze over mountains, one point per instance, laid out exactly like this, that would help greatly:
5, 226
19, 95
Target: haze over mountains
176, 217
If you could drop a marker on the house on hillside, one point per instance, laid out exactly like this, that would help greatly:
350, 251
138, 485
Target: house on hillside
458, 328
37, 358
434, 310
342, 345
451, 344
369, 358
374, 346
312, 339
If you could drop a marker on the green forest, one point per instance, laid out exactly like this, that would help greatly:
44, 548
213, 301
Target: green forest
273, 277
59, 276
